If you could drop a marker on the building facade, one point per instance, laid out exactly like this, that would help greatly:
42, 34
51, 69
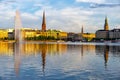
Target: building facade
114, 34
3, 34
102, 34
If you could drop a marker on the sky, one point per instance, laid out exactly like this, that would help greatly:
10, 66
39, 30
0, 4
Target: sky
65, 15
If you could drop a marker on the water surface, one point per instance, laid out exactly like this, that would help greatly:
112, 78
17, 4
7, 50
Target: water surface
59, 61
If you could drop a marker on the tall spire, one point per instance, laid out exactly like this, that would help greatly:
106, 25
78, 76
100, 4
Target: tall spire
44, 22
82, 30
106, 26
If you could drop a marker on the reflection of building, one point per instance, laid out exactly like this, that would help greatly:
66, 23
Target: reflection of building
6, 49
43, 55
103, 50
106, 55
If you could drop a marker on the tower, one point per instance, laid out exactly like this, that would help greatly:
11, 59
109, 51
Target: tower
44, 22
106, 27
18, 26
82, 30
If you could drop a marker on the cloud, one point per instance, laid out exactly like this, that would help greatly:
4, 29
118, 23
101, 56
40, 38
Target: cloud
67, 18
110, 5
91, 1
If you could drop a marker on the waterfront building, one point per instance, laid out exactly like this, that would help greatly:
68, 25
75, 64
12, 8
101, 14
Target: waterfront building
114, 34
74, 37
3, 34
28, 33
11, 34
57, 34
103, 34
88, 36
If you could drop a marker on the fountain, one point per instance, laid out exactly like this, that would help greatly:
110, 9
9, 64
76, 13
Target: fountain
18, 26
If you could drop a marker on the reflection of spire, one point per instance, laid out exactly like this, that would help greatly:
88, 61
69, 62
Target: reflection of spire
43, 55
44, 22
82, 50
17, 57
106, 55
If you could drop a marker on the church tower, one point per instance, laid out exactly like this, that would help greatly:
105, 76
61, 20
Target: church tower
82, 30
106, 26
44, 22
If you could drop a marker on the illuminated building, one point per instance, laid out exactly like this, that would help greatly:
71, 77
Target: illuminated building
28, 33
3, 34
88, 36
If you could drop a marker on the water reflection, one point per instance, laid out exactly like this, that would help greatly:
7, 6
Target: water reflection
106, 55
36, 49
17, 57
84, 53
106, 50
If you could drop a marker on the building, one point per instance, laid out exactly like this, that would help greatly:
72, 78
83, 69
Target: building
3, 34
88, 36
44, 22
106, 26
11, 34
103, 34
28, 33
114, 34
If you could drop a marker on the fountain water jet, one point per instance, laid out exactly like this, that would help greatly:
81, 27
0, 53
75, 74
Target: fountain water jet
18, 27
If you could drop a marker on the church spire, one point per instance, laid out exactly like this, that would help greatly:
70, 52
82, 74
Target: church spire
82, 30
44, 22
106, 26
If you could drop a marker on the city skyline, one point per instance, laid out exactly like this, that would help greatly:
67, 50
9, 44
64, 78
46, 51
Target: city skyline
63, 15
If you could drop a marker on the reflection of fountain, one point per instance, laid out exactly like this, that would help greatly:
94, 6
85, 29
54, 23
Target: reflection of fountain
17, 57
18, 26
106, 52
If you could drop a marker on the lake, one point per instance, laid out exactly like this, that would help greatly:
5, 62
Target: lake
59, 61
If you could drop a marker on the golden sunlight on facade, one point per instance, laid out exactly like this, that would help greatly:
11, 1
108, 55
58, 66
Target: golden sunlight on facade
30, 33
88, 36
3, 34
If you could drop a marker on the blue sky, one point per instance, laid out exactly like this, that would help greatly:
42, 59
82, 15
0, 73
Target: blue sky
65, 15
